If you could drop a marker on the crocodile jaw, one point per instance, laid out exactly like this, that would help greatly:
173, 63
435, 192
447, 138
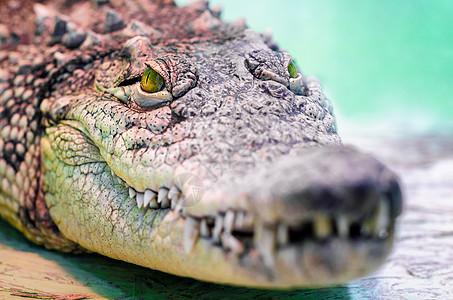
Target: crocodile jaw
94, 209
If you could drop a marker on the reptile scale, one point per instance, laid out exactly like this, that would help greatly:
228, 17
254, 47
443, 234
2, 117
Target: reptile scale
162, 136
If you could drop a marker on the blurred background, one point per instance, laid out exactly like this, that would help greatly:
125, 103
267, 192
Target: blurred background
385, 64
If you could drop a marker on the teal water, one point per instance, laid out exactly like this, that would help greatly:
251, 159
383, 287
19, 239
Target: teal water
380, 60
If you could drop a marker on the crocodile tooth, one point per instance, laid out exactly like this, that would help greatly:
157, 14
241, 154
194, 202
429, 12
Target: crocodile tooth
173, 193
180, 200
176, 204
282, 234
149, 195
179, 204
322, 226
120, 181
140, 199
191, 233
204, 229
231, 243
268, 246
342, 226
218, 226
153, 204
113, 173
368, 227
132, 192
162, 194
239, 220
383, 218
165, 203
228, 221
248, 220
172, 203
264, 240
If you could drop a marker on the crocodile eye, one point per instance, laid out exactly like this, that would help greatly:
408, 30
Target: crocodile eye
151, 81
292, 70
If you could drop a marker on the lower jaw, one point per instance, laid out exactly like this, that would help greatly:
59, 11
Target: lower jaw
330, 262
159, 245
154, 239
303, 265
311, 264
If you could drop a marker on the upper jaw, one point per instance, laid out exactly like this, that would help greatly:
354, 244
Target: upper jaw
331, 197
334, 181
331, 208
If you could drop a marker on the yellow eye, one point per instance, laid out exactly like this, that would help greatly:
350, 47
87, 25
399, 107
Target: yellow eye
151, 81
292, 70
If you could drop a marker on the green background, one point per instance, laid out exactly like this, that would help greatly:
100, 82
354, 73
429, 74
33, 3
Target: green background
386, 63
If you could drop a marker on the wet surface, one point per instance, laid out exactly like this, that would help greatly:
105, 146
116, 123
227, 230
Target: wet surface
420, 267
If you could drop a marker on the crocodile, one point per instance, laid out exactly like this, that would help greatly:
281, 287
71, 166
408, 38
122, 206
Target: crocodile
163, 136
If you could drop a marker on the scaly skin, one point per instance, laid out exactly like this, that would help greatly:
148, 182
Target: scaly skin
232, 173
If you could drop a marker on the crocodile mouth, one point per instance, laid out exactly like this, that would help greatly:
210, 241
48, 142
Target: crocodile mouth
244, 235
321, 249
164, 198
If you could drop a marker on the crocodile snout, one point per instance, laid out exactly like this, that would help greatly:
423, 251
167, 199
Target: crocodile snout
325, 210
318, 215
333, 182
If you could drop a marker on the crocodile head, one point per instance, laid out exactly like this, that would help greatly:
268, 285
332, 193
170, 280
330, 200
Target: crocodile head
213, 158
